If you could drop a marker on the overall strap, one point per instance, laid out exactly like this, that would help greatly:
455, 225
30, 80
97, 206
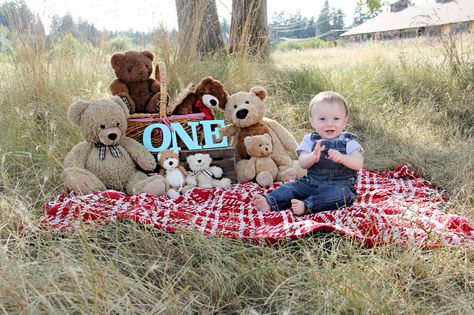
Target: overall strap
349, 136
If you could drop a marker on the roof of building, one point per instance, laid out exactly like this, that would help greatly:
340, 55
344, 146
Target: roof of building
417, 16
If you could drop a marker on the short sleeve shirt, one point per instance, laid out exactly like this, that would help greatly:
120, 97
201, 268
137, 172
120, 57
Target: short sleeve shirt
307, 144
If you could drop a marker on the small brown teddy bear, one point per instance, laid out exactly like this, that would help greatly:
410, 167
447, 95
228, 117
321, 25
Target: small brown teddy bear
245, 111
202, 174
174, 173
206, 96
138, 90
260, 166
107, 159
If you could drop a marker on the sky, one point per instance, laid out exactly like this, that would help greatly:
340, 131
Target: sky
145, 15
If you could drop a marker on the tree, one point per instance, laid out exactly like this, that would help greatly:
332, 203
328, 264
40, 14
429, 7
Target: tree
16, 16
67, 24
248, 28
291, 26
225, 28
323, 23
366, 9
359, 15
338, 22
199, 28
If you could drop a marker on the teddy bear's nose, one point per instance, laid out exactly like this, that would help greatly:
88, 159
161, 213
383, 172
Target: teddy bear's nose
171, 163
199, 161
112, 136
241, 114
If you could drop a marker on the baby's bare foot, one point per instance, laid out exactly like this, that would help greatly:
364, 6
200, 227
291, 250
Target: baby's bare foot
298, 207
261, 203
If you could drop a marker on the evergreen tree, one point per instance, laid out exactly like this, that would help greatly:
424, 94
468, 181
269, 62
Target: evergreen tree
359, 15
67, 24
323, 23
225, 29
16, 16
338, 22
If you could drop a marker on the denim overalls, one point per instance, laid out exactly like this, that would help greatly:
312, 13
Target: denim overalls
327, 186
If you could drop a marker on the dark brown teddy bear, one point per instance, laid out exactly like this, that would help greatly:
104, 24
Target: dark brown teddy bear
207, 95
139, 92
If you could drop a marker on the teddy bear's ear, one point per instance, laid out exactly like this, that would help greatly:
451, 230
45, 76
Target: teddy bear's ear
148, 54
176, 152
247, 140
118, 100
117, 59
268, 137
75, 111
206, 80
259, 91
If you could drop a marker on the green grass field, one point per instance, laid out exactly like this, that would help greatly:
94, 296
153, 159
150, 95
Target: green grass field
411, 102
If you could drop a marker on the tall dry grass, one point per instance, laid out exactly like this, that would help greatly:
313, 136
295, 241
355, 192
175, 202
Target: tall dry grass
406, 107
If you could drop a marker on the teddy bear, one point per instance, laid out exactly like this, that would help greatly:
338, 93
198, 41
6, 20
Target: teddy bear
107, 159
246, 113
174, 173
133, 84
261, 166
202, 174
206, 96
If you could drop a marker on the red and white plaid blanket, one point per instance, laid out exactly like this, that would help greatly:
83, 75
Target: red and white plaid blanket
393, 207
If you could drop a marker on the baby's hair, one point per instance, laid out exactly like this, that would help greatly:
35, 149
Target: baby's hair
329, 97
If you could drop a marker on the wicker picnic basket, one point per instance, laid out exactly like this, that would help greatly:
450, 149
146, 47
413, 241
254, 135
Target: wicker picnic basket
139, 121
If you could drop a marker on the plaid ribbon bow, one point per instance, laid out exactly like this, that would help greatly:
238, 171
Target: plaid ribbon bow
114, 150
196, 173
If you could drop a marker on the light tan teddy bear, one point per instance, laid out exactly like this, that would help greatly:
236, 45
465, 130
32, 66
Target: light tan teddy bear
107, 159
174, 173
245, 111
261, 166
202, 174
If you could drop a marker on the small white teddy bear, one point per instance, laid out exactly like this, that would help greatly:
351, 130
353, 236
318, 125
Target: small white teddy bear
174, 173
204, 175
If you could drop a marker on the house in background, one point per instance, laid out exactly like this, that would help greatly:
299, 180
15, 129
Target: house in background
404, 21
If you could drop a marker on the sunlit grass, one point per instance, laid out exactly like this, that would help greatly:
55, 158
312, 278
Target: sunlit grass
410, 102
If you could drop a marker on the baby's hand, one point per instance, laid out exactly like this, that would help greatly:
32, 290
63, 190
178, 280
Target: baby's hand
317, 151
335, 156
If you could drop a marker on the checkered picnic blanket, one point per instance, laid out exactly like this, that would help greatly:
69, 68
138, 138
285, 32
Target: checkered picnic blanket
393, 207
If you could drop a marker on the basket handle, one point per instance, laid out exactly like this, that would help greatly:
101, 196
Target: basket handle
160, 76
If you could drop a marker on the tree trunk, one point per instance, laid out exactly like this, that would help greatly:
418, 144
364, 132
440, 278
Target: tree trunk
199, 28
248, 28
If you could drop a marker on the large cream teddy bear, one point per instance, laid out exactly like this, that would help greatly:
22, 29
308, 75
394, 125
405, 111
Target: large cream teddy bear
245, 111
107, 159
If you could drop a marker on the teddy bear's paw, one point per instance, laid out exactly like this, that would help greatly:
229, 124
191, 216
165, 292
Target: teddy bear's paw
81, 184
216, 171
173, 194
157, 187
221, 183
77, 181
264, 179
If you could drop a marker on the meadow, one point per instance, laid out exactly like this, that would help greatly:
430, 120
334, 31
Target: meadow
411, 102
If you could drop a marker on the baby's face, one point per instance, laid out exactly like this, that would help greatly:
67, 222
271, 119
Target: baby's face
328, 119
